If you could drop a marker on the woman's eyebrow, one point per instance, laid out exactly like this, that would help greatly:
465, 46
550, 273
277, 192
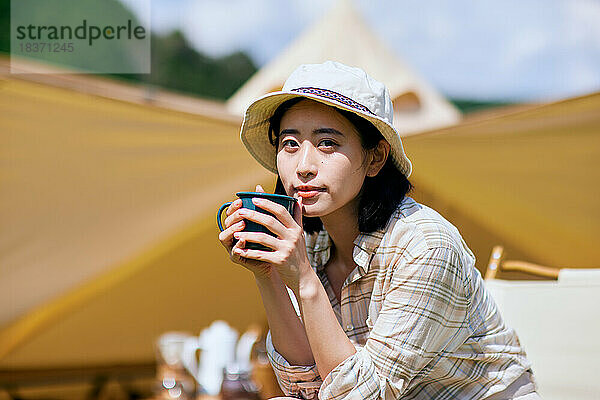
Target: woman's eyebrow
290, 131
328, 130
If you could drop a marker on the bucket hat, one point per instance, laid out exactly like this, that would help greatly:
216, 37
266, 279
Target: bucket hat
331, 83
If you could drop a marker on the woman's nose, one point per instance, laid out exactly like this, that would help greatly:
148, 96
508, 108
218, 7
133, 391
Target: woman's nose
307, 164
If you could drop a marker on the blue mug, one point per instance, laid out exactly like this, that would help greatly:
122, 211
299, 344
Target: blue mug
251, 226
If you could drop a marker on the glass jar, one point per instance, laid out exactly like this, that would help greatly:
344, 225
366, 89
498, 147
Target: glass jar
238, 385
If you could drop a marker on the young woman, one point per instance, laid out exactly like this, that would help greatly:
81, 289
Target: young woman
368, 294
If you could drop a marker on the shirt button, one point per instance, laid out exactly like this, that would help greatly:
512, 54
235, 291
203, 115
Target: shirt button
349, 327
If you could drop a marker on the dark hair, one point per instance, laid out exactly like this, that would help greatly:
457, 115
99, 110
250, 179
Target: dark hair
379, 195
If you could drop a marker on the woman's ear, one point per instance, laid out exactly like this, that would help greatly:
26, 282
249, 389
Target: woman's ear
379, 156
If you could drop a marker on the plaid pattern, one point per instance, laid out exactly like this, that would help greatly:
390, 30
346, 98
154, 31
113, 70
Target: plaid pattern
417, 311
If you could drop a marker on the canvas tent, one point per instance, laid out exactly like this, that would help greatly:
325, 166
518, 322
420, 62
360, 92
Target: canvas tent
342, 35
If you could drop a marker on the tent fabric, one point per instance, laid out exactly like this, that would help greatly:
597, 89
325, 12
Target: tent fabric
93, 192
108, 234
343, 35
527, 180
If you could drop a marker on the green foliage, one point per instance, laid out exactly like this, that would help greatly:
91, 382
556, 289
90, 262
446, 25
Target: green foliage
175, 65
98, 57
466, 106
5, 26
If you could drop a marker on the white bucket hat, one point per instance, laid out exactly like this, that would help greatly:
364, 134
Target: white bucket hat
331, 83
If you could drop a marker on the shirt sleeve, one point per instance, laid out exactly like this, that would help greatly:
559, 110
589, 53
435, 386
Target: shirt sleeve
302, 381
424, 313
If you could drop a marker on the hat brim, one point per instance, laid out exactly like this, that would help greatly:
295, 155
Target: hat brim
255, 129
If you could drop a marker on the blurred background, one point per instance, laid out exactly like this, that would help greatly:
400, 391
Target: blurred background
109, 183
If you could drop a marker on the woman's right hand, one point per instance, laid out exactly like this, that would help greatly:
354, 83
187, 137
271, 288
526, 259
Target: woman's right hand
235, 223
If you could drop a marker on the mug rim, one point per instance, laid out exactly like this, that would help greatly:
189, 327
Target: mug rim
262, 194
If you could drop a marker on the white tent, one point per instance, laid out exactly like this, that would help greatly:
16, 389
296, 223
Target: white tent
342, 35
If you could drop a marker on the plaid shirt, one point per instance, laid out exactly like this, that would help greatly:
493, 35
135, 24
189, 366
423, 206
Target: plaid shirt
418, 313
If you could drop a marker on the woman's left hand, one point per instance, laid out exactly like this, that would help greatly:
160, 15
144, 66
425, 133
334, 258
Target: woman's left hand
289, 255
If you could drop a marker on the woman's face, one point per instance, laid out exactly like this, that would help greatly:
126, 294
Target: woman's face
320, 158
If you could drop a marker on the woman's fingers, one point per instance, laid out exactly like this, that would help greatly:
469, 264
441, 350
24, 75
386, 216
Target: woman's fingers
235, 205
269, 222
232, 218
258, 237
237, 256
226, 237
270, 257
279, 211
298, 210
240, 244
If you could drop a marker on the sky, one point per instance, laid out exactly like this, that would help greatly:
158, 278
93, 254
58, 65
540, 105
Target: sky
512, 50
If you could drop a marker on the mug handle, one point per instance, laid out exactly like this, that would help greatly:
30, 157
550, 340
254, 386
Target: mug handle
221, 209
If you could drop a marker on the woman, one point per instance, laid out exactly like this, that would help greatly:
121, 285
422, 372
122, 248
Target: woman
384, 301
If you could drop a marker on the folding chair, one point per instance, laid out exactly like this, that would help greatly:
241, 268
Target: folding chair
557, 321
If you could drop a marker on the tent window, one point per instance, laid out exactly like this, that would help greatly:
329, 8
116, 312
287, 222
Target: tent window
406, 103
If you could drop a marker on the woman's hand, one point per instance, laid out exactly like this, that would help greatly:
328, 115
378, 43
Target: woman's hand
289, 255
235, 223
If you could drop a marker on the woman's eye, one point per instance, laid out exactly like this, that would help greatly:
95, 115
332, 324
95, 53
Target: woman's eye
328, 143
288, 143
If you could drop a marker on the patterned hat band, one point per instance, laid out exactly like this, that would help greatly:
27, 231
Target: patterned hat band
330, 94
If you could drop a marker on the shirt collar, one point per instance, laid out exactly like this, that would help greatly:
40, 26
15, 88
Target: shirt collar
365, 245
318, 245
319, 249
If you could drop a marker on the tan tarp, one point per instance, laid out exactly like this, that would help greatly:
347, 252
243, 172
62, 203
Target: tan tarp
108, 233
528, 180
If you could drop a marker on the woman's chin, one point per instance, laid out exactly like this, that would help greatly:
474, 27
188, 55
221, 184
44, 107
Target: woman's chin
310, 214
311, 210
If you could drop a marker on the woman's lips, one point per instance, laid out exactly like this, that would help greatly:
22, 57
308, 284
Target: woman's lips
308, 193
305, 194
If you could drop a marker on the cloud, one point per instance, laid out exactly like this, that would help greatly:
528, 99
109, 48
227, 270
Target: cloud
514, 49
261, 27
